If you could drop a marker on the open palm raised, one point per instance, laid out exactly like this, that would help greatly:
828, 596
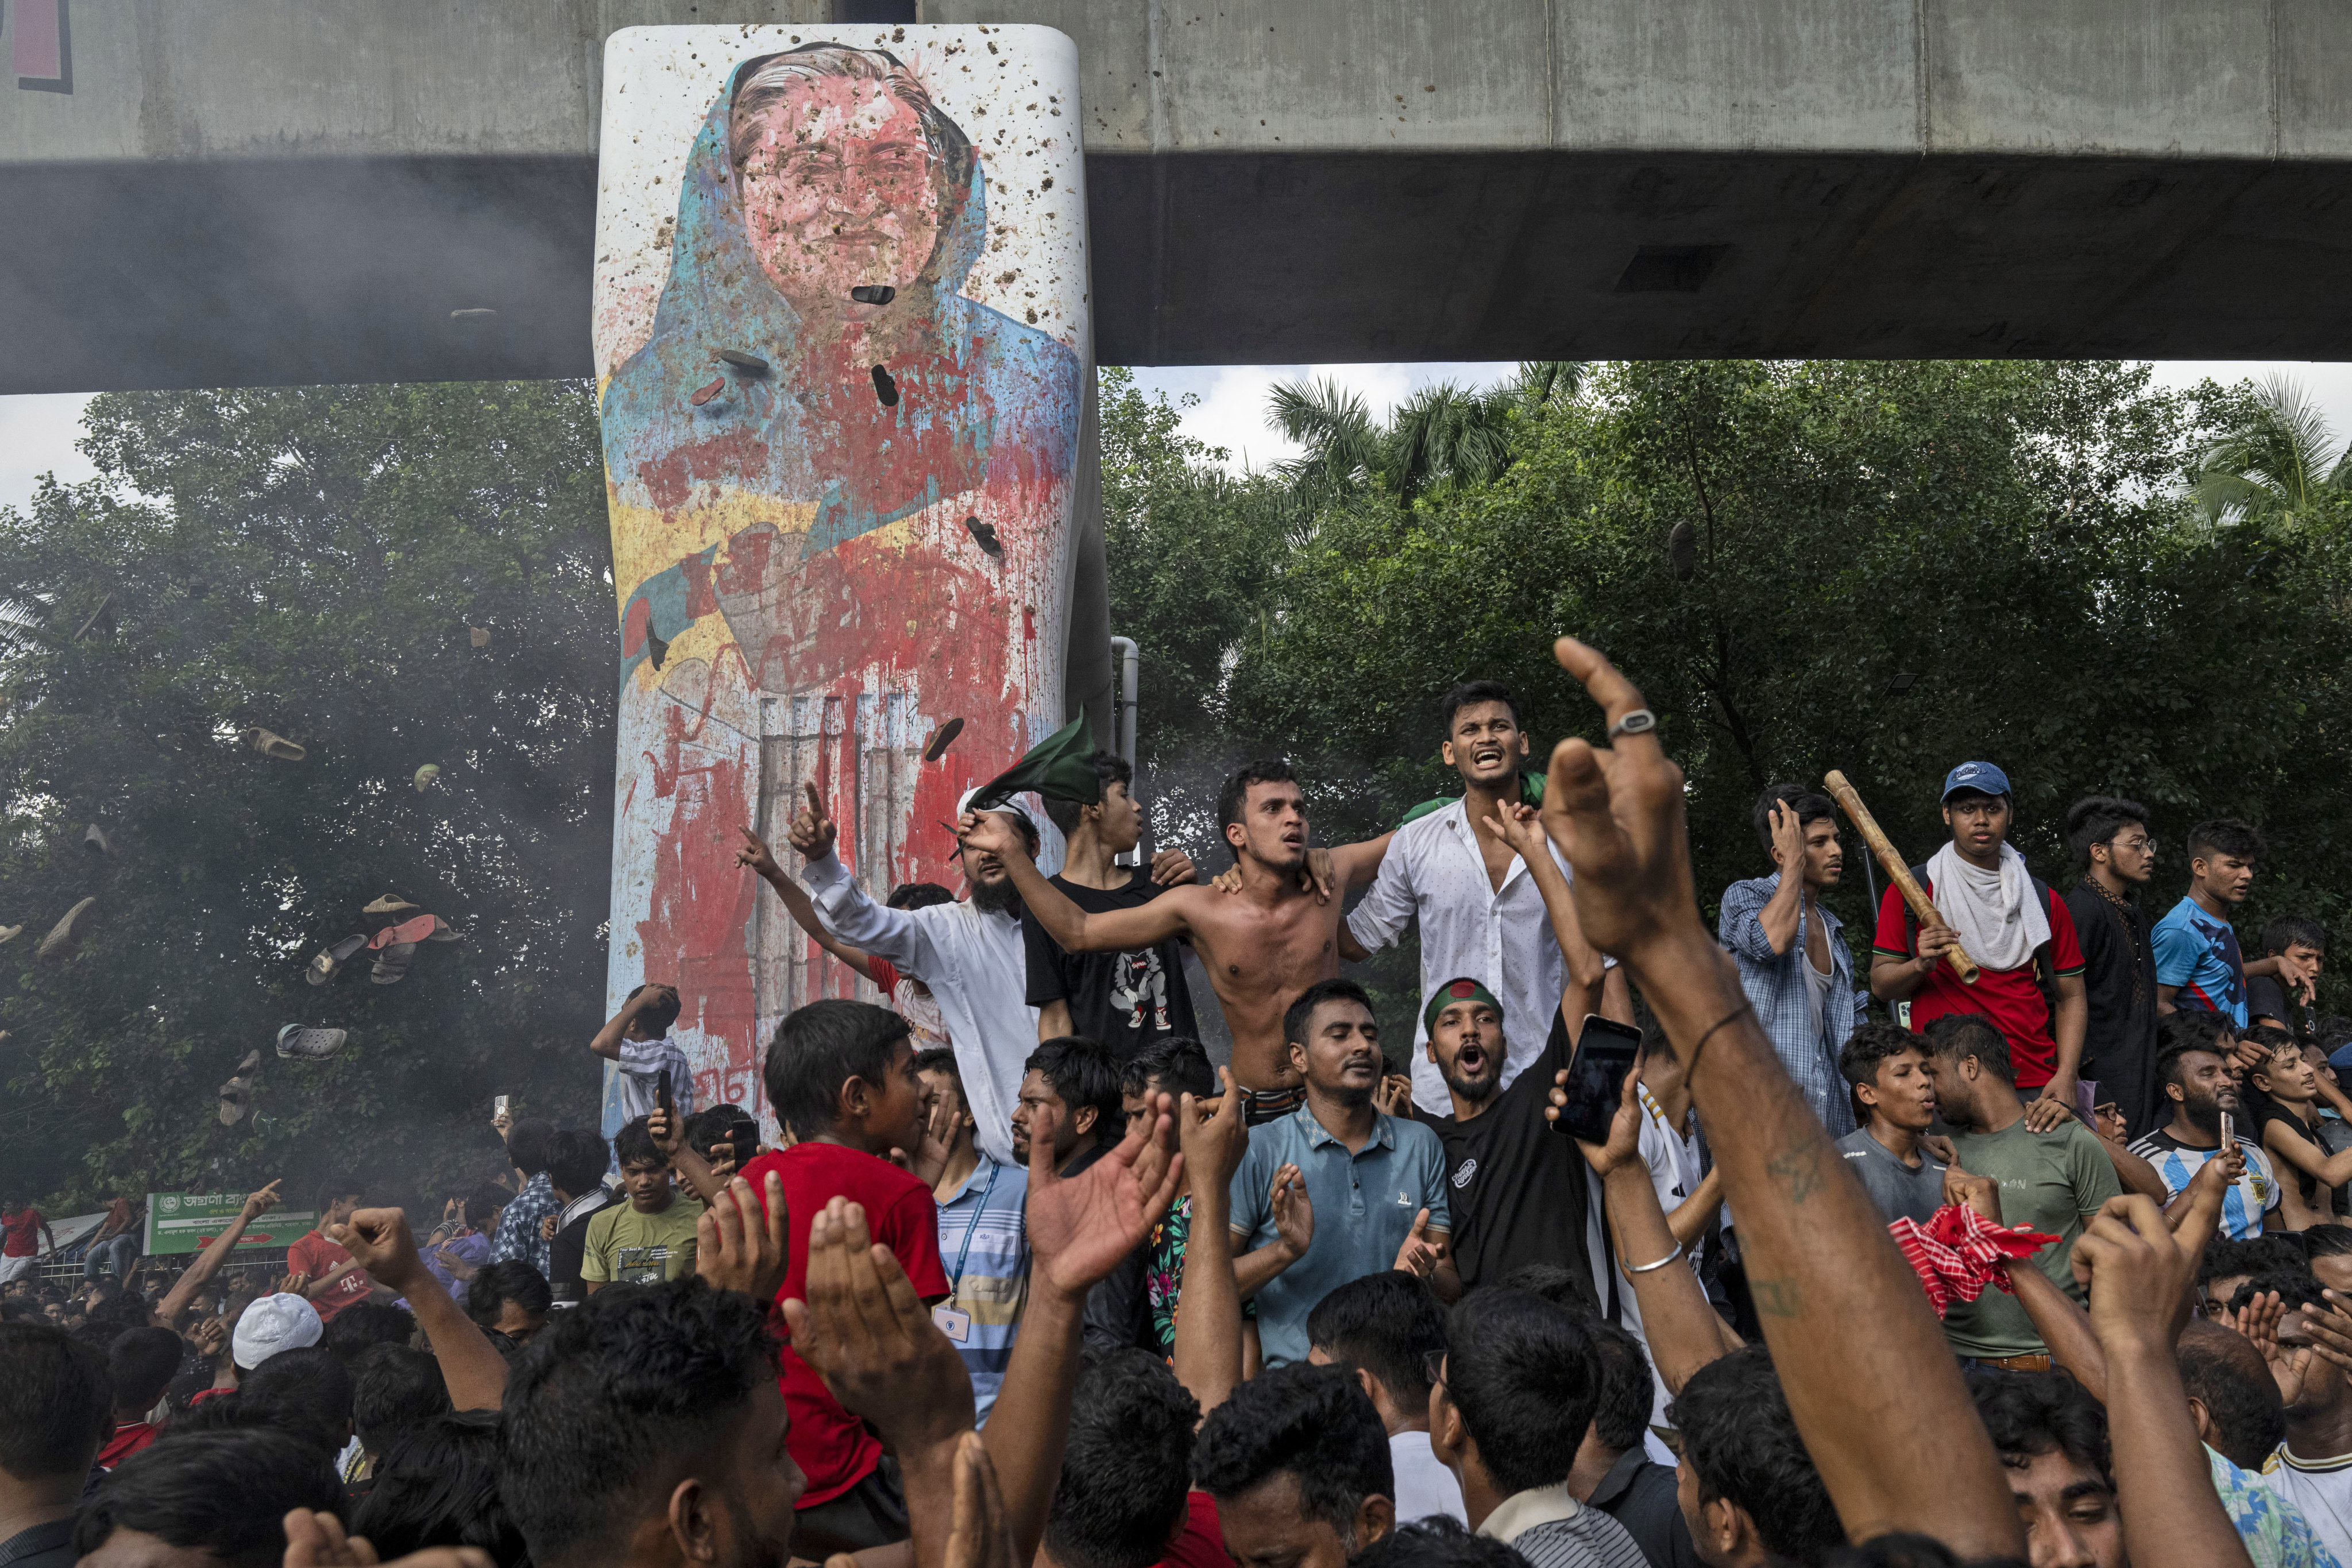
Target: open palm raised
1081, 1227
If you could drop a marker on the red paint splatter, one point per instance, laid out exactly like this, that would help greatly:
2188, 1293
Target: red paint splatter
695, 935
738, 455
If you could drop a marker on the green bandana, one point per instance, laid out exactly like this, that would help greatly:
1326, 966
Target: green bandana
1059, 767
1531, 788
1453, 990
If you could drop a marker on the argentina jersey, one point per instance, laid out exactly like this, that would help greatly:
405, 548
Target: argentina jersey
2252, 1196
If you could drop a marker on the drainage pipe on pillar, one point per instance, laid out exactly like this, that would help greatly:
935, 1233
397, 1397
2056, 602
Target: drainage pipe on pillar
1122, 729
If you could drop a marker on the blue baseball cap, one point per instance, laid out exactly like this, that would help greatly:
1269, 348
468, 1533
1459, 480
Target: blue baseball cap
1982, 777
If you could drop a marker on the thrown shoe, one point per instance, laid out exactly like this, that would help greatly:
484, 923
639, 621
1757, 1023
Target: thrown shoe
236, 1094
418, 928
10, 933
427, 774
984, 535
272, 745
886, 390
941, 739
328, 962
301, 1042
394, 905
744, 362
391, 963
874, 293
481, 635
67, 935
95, 841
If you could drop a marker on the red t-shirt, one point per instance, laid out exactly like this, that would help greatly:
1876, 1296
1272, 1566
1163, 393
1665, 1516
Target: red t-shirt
831, 1446
128, 1439
1201, 1543
2012, 998
316, 1256
24, 1234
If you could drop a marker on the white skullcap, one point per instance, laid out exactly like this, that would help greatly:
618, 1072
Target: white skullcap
274, 1323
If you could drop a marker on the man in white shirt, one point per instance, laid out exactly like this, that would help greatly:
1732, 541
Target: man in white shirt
1383, 1328
1479, 910
969, 953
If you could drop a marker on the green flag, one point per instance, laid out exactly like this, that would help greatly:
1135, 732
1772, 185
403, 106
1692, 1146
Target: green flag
1059, 767
1531, 788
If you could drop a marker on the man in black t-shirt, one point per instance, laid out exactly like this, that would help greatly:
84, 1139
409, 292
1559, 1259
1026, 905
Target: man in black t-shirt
1517, 1192
1127, 1001
577, 1160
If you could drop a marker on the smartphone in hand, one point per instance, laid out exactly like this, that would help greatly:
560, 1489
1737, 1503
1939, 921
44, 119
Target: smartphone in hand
1605, 1052
2229, 1132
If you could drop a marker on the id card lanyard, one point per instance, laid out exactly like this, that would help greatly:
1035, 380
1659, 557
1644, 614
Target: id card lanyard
957, 1325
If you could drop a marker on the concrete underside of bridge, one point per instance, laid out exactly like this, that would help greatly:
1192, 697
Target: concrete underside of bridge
276, 191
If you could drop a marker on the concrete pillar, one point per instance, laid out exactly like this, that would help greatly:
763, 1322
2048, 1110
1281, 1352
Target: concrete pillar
840, 321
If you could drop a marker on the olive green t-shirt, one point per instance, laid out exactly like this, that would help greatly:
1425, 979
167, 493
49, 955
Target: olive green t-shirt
625, 1247
2053, 1181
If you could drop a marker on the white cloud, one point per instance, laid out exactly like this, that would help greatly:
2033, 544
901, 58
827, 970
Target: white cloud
36, 436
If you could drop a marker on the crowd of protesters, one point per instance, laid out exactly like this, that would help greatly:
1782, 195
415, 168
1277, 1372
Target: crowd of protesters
2023, 1243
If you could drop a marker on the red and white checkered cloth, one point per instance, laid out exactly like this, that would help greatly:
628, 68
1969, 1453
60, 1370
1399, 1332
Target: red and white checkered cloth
1958, 1252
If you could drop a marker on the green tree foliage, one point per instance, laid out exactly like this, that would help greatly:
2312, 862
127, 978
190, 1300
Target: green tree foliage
2012, 535
309, 561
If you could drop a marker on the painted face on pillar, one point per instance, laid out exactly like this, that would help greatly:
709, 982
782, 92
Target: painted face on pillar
1485, 744
1273, 828
839, 192
1467, 1043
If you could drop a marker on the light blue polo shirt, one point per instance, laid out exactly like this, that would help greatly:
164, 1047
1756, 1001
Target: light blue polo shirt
1364, 1208
985, 1248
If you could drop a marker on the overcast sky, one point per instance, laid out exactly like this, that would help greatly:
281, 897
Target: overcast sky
38, 434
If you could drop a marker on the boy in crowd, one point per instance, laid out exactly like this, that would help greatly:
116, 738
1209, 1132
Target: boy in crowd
1127, 1001
2287, 1108
577, 1162
1794, 961
522, 1229
2054, 1182
2199, 965
1382, 1330
1894, 1092
141, 1363
1381, 1179
2111, 842
2192, 1072
1297, 1463
330, 1279
2030, 968
2053, 1441
1473, 894
2300, 946
1514, 1400
841, 1076
27, 1236
649, 1238
636, 1041
57, 1407
1137, 1305
1613, 1472
1123, 1497
982, 1238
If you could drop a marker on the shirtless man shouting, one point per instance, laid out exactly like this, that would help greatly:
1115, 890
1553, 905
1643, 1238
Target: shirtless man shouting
1262, 946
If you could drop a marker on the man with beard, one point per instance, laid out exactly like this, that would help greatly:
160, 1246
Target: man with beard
1516, 1189
2054, 1182
1261, 945
1377, 1180
1471, 892
968, 952
2192, 1072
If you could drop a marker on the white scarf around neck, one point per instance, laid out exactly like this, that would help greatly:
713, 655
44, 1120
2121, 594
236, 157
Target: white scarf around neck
1998, 921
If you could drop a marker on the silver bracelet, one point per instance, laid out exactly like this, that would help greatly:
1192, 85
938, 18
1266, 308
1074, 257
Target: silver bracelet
1661, 1263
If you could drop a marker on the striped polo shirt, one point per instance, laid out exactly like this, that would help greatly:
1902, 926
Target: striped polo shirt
985, 1248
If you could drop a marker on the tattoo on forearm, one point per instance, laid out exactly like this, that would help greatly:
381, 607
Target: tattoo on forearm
1797, 1168
1775, 1297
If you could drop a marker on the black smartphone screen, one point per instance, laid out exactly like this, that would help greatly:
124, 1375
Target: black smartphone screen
1605, 1053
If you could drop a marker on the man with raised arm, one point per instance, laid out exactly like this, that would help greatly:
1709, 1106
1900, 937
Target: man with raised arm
969, 953
1473, 895
1873, 1393
1263, 946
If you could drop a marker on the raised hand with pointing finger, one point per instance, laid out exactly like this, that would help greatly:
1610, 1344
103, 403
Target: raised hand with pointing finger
812, 832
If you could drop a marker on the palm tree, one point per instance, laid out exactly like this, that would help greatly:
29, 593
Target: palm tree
2277, 468
1443, 435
